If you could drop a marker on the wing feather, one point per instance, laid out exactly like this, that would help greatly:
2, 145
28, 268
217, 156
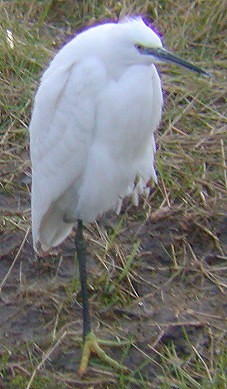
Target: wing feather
60, 135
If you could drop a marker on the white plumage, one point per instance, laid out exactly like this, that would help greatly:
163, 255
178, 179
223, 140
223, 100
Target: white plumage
95, 113
92, 138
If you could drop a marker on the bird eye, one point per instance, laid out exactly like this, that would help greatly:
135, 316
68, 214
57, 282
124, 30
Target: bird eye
139, 47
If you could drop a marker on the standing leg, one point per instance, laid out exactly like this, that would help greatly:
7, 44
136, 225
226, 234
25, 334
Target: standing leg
91, 343
81, 255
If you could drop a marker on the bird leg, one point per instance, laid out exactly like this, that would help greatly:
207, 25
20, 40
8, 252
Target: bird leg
82, 258
91, 342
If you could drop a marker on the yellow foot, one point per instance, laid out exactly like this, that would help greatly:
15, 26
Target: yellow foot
91, 345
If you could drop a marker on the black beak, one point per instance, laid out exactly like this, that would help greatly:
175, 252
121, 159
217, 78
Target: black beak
165, 56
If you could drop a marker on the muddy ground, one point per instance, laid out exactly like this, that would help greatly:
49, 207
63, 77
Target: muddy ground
158, 302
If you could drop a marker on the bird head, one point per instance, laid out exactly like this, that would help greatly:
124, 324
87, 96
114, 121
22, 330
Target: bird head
149, 48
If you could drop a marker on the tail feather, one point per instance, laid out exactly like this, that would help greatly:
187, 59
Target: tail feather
53, 230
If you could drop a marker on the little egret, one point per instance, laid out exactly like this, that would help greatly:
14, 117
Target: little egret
92, 137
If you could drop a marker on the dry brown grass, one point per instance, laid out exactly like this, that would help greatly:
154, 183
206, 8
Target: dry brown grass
157, 272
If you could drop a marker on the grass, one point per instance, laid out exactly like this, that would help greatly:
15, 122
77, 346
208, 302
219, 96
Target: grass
156, 272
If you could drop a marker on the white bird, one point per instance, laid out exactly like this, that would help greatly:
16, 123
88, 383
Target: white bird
92, 134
